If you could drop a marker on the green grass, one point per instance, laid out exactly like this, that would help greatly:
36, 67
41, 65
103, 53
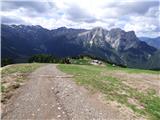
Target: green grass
21, 68
87, 61
131, 70
90, 76
82, 61
2, 88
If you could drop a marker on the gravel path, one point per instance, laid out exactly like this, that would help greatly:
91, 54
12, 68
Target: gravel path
52, 95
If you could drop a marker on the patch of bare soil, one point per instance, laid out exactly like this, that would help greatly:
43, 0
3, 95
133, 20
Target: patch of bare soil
141, 81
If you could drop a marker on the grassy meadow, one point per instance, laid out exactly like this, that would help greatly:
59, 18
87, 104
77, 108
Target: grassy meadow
143, 103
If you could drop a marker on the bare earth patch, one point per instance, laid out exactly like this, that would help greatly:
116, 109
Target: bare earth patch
10, 84
140, 81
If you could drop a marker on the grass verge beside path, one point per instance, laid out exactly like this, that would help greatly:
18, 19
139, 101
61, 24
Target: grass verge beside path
146, 104
20, 68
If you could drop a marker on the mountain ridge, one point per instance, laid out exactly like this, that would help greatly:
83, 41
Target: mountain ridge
115, 45
154, 42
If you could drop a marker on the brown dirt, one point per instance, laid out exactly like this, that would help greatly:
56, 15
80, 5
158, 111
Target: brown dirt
51, 94
11, 83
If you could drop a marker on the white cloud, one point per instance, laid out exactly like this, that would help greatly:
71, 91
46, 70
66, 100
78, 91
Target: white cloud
143, 26
138, 15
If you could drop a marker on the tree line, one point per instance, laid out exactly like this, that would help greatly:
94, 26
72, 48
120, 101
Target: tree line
45, 58
6, 61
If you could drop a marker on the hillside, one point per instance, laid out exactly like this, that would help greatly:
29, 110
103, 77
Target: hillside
19, 42
138, 90
96, 92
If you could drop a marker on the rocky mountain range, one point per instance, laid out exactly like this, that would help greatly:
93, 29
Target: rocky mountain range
19, 42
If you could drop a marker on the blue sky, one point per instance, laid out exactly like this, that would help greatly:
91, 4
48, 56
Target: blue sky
142, 16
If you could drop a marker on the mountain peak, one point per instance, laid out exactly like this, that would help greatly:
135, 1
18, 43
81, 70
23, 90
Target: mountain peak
62, 28
121, 40
131, 33
115, 45
116, 29
97, 28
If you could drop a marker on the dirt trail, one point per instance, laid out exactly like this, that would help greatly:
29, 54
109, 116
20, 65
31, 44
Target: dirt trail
52, 95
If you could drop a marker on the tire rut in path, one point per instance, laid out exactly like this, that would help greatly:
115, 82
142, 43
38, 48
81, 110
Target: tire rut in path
36, 99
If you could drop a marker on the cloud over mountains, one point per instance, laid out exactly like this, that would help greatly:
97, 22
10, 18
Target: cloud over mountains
138, 15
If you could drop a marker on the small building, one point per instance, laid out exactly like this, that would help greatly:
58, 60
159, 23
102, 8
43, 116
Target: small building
113, 65
96, 62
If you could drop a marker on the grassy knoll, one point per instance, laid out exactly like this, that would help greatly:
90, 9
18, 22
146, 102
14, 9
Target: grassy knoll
87, 61
146, 104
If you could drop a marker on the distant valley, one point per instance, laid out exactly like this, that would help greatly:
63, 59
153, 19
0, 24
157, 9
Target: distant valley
155, 42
